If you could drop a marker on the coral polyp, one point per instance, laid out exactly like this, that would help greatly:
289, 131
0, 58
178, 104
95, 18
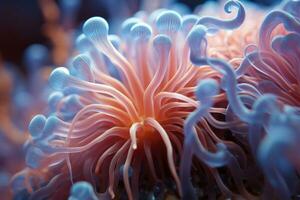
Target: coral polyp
188, 106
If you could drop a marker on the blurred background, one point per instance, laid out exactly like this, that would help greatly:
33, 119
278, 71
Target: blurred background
21, 21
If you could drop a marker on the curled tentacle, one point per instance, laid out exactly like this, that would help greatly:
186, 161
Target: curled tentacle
215, 23
272, 20
205, 91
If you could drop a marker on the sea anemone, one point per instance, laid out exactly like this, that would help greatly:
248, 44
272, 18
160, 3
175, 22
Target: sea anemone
174, 105
119, 110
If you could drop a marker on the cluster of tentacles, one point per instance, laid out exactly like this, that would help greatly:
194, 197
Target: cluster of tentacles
155, 110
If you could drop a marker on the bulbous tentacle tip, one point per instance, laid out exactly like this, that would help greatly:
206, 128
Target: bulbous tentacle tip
81, 68
153, 16
33, 157
36, 125
127, 25
188, 22
162, 44
196, 38
206, 88
72, 105
51, 124
80, 60
58, 78
141, 32
82, 190
54, 99
96, 29
168, 22
83, 44
71, 90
